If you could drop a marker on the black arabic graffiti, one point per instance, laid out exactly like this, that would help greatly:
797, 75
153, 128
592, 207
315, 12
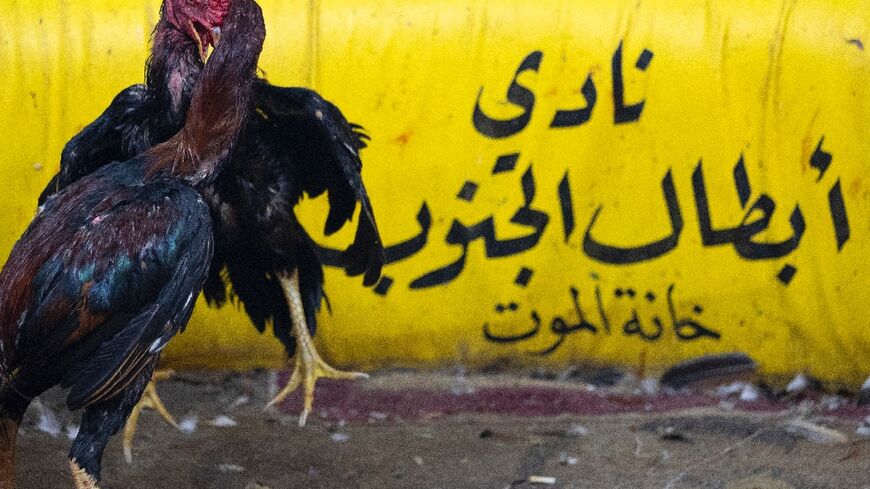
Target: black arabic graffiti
463, 235
576, 117
517, 95
623, 256
524, 98
684, 327
821, 160
626, 113
743, 235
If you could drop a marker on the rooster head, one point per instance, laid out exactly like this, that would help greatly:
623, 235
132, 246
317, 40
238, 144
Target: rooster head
200, 19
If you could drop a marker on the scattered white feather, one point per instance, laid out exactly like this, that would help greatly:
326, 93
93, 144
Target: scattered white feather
832, 403
460, 383
48, 422
223, 421
566, 459
227, 468
797, 384
577, 430
864, 428
273, 384
72, 431
188, 424
749, 393
731, 389
240, 401
339, 437
541, 479
649, 386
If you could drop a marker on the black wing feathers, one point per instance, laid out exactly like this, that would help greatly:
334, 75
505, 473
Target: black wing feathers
132, 269
325, 149
121, 359
118, 134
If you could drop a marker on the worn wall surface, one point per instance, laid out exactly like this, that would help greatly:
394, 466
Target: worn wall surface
558, 182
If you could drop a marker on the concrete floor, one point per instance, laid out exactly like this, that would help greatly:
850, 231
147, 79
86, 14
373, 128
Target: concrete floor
448, 431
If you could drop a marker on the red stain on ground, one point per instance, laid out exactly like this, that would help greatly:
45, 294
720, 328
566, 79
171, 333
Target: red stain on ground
336, 401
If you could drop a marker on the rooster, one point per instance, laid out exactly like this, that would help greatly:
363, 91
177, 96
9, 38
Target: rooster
295, 144
109, 269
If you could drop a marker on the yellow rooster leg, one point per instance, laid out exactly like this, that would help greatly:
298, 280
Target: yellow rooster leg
308, 365
149, 400
81, 478
8, 433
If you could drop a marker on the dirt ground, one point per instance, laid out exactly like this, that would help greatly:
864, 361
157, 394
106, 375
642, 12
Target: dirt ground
452, 431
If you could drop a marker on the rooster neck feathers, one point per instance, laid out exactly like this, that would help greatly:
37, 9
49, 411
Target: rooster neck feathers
218, 111
172, 70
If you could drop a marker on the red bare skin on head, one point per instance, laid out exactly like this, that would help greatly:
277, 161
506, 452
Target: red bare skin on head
217, 11
197, 18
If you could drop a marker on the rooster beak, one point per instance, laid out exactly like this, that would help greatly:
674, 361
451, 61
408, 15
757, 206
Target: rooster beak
199, 42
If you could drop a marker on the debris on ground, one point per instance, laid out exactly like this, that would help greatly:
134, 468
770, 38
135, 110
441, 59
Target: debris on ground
239, 401
815, 432
649, 386
188, 424
708, 369
744, 391
606, 377
608, 438
669, 433
799, 383
803, 386
749, 393
339, 437
48, 422
864, 393
223, 421
460, 383
566, 459
732, 389
833, 402
541, 479
576, 430
377, 416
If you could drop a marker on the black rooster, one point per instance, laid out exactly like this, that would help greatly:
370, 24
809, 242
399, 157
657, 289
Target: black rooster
109, 269
296, 143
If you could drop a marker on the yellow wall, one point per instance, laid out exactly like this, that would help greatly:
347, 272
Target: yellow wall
760, 79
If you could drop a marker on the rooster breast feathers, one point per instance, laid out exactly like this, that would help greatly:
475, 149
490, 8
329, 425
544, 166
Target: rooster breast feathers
105, 275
